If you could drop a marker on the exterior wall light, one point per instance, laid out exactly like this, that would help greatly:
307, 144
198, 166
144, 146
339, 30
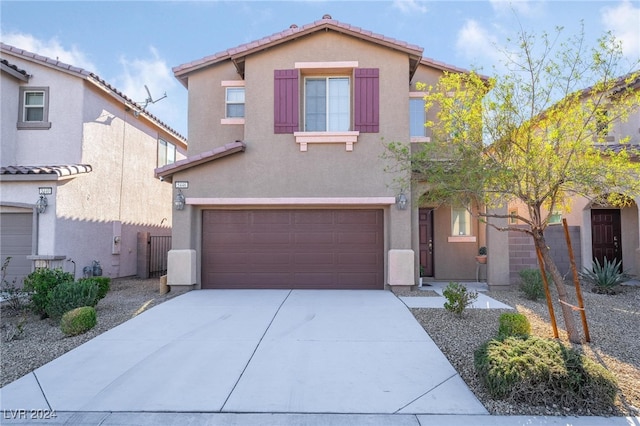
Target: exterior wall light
41, 204
180, 201
401, 201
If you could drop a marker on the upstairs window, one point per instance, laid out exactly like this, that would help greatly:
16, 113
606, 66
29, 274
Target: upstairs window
166, 153
417, 118
346, 101
34, 108
327, 104
235, 102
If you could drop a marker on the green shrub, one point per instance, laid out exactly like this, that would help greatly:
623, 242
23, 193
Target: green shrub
513, 324
103, 284
543, 372
71, 295
531, 283
40, 282
78, 320
606, 277
458, 297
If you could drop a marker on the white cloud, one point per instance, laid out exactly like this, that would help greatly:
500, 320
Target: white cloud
477, 44
410, 6
49, 48
623, 21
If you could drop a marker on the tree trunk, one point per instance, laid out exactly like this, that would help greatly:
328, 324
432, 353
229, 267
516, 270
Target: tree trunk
567, 313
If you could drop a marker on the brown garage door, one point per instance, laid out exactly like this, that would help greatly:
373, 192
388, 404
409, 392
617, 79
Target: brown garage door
302, 249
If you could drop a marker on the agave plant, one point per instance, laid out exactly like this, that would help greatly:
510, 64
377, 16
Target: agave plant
606, 277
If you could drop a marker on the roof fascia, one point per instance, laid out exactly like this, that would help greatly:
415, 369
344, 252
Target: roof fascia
238, 54
14, 73
166, 173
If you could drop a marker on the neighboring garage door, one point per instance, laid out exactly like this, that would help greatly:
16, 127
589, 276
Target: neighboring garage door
301, 249
15, 241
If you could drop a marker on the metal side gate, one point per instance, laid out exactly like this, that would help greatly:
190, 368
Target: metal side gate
159, 246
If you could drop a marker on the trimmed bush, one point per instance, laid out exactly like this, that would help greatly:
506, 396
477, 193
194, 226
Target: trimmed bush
71, 295
39, 283
458, 298
543, 372
78, 320
531, 283
103, 284
513, 324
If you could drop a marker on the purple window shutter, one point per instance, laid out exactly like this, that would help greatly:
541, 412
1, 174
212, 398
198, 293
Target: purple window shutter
285, 101
366, 117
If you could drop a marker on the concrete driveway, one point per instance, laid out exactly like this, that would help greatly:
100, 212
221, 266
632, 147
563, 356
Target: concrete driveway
255, 351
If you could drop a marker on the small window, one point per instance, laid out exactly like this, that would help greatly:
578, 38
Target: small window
166, 153
34, 108
327, 104
235, 102
555, 218
460, 222
417, 118
513, 217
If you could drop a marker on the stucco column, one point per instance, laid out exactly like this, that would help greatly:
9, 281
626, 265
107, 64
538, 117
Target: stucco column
400, 257
498, 252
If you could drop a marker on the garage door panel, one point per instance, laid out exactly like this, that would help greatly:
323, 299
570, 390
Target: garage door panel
313, 238
358, 259
293, 249
313, 217
15, 242
230, 238
358, 238
313, 259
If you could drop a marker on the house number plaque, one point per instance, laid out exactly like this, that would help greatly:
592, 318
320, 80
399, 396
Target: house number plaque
182, 184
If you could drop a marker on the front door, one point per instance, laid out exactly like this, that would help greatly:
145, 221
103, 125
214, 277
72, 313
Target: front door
426, 241
606, 235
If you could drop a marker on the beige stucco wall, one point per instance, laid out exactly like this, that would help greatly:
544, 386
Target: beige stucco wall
273, 165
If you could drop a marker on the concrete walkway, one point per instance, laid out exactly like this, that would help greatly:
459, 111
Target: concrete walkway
482, 302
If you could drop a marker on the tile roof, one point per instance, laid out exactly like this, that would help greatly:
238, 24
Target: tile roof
632, 150
60, 171
14, 70
166, 172
238, 53
89, 76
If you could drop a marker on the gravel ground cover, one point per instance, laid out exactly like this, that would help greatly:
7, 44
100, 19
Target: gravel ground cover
614, 328
614, 324
29, 342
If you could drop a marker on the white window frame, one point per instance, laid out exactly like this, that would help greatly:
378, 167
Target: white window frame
232, 84
327, 78
413, 96
166, 152
228, 103
23, 123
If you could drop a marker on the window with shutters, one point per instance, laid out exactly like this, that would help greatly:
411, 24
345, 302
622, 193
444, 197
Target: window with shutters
326, 102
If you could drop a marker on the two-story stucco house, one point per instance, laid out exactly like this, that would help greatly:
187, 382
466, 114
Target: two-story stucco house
598, 230
77, 180
284, 185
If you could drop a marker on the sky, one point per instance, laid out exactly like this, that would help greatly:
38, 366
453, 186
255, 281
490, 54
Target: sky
133, 44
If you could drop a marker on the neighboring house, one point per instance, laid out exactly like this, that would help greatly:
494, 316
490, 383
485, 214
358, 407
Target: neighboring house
597, 230
285, 185
76, 176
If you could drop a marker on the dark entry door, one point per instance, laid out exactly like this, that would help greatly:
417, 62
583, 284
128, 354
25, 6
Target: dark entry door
606, 234
425, 225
